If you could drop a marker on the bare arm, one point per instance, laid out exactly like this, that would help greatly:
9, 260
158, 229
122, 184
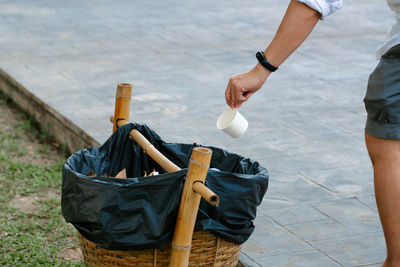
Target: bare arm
297, 23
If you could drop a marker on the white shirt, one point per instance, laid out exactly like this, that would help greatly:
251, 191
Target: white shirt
324, 7
394, 35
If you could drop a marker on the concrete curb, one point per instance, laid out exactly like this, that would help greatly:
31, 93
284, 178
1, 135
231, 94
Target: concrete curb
64, 131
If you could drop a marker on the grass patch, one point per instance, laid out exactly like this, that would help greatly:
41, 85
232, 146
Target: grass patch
32, 229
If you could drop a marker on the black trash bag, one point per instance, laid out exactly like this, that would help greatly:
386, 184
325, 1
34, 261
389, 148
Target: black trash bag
140, 212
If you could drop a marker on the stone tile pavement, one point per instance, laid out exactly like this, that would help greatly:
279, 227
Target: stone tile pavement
305, 125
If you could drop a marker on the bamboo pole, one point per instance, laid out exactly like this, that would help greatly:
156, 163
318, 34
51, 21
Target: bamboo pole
122, 103
150, 150
206, 193
190, 201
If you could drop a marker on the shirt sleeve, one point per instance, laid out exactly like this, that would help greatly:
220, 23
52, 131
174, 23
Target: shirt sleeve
324, 7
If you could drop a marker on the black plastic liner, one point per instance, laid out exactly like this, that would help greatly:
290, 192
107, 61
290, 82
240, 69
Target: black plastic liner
140, 212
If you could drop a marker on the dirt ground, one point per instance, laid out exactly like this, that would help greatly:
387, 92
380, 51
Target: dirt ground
32, 229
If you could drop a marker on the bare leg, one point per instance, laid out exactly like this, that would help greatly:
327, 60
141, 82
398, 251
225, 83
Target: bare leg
385, 157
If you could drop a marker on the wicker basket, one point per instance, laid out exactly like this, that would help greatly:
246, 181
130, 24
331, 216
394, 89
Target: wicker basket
207, 250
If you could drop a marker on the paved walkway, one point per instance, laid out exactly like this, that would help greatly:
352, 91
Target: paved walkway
305, 125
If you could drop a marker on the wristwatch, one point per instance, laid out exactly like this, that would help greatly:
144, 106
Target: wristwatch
264, 62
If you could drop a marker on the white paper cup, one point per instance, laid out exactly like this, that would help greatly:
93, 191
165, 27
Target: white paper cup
232, 122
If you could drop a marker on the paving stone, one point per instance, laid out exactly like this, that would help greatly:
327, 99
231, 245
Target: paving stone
372, 265
345, 182
321, 144
355, 250
293, 191
296, 215
246, 261
271, 239
370, 201
352, 214
321, 161
305, 259
318, 230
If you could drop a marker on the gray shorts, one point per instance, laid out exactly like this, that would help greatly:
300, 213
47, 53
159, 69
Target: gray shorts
382, 100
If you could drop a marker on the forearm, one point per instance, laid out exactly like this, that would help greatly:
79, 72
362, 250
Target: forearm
296, 25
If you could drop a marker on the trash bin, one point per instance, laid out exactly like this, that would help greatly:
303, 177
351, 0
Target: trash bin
118, 216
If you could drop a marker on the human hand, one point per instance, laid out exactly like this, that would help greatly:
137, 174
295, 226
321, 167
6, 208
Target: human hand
242, 86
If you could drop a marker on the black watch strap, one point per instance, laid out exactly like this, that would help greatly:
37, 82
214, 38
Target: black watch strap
260, 57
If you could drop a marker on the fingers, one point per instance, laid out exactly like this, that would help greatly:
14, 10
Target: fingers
240, 98
238, 93
237, 105
228, 95
239, 89
246, 96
